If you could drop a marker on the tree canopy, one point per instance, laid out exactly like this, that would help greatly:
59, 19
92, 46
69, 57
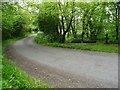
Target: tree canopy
82, 21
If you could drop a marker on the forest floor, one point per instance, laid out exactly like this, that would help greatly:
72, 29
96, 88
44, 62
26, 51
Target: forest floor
62, 67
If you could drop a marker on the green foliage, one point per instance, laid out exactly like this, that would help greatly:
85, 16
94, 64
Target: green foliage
14, 20
95, 19
57, 19
18, 26
41, 38
48, 21
8, 20
13, 77
99, 47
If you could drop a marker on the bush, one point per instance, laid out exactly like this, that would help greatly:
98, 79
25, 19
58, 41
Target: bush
12, 22
76, 40
48, 23
41, 38
7, 23
14, 28
18, 26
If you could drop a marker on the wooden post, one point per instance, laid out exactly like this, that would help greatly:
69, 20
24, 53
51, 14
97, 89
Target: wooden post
83, 36
106, 39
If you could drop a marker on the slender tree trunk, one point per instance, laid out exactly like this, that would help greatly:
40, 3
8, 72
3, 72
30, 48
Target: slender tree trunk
63, 37
63, 27
60, 28
73, 31
106, 39
84, 25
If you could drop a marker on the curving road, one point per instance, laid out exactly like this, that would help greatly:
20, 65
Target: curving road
62, 67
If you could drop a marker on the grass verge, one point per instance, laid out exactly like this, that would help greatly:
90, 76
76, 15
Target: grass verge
99, 47
13, 77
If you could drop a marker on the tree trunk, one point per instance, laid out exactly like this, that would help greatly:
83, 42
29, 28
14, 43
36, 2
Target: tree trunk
63, 37
73, 32
82, 36
63, 27
106, 39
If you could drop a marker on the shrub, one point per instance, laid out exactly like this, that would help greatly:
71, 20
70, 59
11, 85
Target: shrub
18, 26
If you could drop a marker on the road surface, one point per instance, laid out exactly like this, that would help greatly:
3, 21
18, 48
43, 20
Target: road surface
61, 67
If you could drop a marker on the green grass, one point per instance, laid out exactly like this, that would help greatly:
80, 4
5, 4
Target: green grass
13, 77
99, 47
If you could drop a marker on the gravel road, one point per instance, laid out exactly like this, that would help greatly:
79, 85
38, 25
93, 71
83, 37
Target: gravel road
61, 67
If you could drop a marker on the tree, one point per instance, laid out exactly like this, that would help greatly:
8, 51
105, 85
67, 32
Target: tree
48, 21
13, 20
66, 14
